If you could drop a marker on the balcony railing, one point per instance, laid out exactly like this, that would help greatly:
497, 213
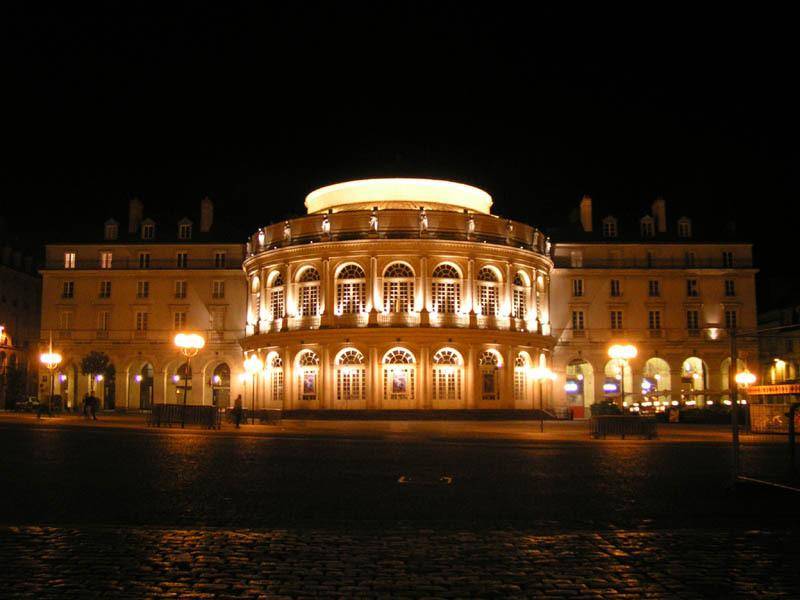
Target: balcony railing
566, 262
127, 264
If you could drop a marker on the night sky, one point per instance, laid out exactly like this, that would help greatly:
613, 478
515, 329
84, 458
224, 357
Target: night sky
538, 108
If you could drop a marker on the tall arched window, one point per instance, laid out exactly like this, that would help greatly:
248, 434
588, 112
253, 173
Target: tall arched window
488, 291
447, 367
521, 365
489, 364
276, 376
398, 375
446, 289
520, 294
351, 290
221, 386
350, 378
307, 375
308, 292
398, 288
277, 295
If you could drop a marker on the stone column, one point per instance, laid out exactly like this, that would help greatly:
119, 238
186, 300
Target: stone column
423, 373
424, 317
290, 304
288, 380
327, 294
373, 290
469, 379
326, 372
374, 382
507, 379
507, 290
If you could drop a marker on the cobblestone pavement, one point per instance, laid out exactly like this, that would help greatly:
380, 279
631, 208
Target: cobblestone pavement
45, 562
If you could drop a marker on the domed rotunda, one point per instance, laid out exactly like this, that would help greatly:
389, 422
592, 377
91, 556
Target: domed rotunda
399, 294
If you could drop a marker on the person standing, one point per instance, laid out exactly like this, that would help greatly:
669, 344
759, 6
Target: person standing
86, 402
93, 402
237, 410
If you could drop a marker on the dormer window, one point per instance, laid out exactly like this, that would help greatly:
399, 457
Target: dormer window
685, 228
648, 227
111, 230
610, 227
185, 230
148, 230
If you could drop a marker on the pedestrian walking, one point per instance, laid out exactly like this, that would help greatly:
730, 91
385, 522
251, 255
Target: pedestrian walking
86, 406
93, 404
237, 410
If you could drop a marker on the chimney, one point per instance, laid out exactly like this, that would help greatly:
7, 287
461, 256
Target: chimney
206, 214
135, 211
659, 210
586, 213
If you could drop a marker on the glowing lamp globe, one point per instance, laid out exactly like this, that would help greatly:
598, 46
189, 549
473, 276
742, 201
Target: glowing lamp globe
50, 359
622, 351
745, 378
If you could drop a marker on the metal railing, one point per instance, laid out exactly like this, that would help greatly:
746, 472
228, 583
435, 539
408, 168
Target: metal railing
566, 262
127, 264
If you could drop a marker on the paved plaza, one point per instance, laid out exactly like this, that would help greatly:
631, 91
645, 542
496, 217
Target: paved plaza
408, 509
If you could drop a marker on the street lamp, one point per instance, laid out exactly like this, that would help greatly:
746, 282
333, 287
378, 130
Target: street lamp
539, 374
622, 353
744, 379
189, 344
50, 360
253, 365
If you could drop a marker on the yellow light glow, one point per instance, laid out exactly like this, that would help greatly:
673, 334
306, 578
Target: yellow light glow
253, 364
622, 351
745, 378
190, 341
50, 359
431, 193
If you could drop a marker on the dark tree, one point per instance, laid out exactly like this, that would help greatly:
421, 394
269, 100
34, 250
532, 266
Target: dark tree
94, 364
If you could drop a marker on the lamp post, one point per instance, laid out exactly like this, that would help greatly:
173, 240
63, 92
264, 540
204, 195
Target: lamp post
253, 365
539, 374
622, 353
189, 344
50, 360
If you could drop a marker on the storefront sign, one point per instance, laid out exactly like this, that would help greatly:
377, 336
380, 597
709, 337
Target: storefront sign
774, 390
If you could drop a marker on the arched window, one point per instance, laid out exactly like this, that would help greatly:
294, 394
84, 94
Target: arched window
447, 375
489, 364
307, 374
350, 378
277, 295
255, 291
648, 227
446, 289
398, 375
351, 290
488, 291
276, 375
221, 386
684, 227
521, 365
520, 294
398, 288
308, 281
610, 227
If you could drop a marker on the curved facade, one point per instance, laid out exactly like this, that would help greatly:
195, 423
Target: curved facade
398, 294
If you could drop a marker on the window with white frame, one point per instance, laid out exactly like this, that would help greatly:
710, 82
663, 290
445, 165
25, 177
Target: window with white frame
520, 293
610, 227
520, 377
148, 231
684, 228
276, 374
446, 289
111, 231
65, 320
105, 289
731, 318
182, 260
185, 231
217, 318
69, 260
730, 287
106, 258
277, 296
489, 365
142, 289
648, 227
220, 259
446, 375
399, 372
654, 320
689, 259
351, 290
691, 288
350, 377
616, 319
654, 288
218, 289
141, 320
309, 292
727, 259
68, 289
576, 259
488, 291
180, 289
144, 260
578, 320
179, 320
308, 374
616, 288
398, 288
577, 288
103, 320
